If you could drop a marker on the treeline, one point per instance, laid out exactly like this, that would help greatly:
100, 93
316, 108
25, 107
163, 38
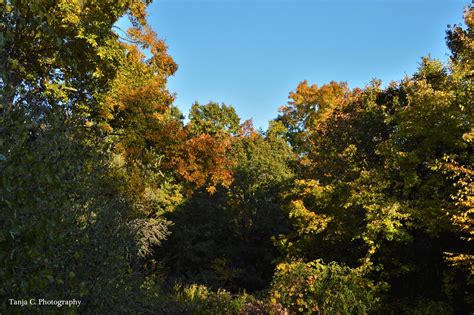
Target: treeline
353, 201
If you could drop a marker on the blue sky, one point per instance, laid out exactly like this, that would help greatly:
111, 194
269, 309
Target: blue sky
251, 54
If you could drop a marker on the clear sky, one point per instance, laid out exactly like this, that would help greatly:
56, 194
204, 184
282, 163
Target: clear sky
251, 54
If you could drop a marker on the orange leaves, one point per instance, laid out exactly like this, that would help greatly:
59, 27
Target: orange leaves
146, 39
203, 160
311, 99
199, 160
168, 138
247, 129
153, 94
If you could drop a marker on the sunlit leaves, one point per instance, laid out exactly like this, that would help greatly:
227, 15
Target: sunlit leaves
318, 288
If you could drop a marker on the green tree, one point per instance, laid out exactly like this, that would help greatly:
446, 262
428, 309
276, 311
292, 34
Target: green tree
213, 119
223, 239
68, 228
385, 182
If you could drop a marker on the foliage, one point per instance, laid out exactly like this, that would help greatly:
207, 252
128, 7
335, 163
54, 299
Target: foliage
68, 229
199, 299
108, 196
213, 119
385, 179
318, 288
235, 251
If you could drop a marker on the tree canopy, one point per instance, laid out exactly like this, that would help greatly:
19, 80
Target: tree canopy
353, 201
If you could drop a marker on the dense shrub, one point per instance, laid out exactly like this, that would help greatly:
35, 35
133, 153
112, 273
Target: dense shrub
319, 288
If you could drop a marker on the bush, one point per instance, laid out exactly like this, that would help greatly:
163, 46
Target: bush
319, 288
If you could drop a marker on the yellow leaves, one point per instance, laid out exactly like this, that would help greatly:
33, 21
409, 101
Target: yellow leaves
423, 95
383, 220
349, 152
309, 188
283, 267
469, 136
92, 40
311, 104
105, 127
97, 74
276, 295
304, 94
56, 91
306, 221
102, 53
465, 220
462, 211
314, 287
69, 12
327, 95
138, 11
461, 260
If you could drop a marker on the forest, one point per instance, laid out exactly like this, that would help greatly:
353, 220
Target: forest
352, 201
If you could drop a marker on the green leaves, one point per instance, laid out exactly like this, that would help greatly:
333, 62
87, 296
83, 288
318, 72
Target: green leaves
318, 288
213, 119
383, 170
376, 181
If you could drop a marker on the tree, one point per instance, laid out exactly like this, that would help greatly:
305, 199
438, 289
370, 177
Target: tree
223, 239
68, 229
213, 119
308, 104
385, 182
